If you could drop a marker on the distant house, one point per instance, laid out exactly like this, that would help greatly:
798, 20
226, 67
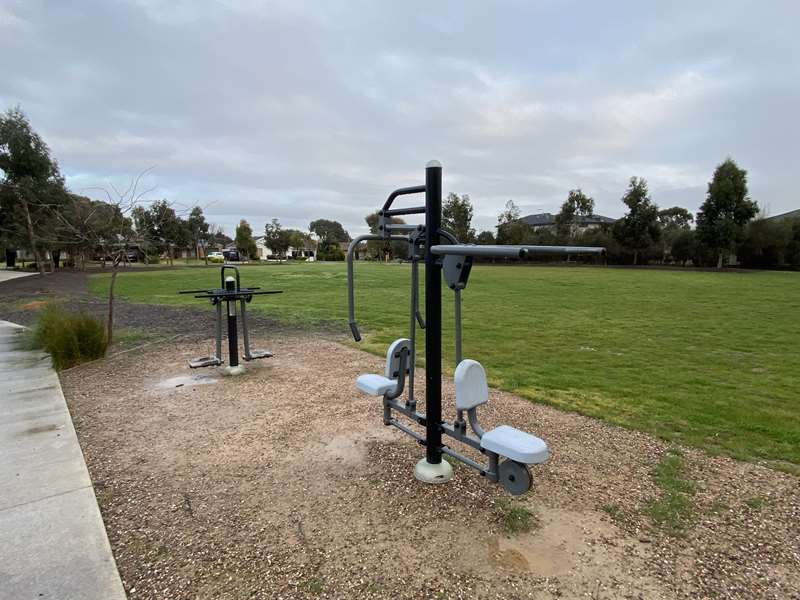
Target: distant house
584, 223
792, 214
308, 251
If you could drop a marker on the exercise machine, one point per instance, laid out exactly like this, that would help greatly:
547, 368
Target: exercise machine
230, 292
509, 451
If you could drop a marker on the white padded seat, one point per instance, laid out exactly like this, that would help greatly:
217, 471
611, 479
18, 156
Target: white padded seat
471, 387
516, 445
472, 390
378, 385
375, 385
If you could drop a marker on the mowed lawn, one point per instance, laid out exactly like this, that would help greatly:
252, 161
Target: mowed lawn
706, 359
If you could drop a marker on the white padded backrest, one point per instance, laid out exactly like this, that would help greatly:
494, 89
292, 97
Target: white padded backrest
471, 387
393, 357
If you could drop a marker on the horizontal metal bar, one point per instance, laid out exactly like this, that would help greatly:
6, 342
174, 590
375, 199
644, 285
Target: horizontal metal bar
407, 430
501, 251
236, 295
409, 412
402, 227
416, 189
210, 291
467, 439
411, 210
469, 462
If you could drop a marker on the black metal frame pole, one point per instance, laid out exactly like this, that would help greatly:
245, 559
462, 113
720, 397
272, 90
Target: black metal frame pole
233, 335
433, 314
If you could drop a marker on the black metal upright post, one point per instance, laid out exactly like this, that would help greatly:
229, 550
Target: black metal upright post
433, 314
233, 341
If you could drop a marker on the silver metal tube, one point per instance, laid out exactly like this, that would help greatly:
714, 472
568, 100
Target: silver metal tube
467, 461
457, 311
219, 331
472, 415
412, 330
351, 309
457, 327
245, 333
464, 438
401, 227
408, 430
499, 251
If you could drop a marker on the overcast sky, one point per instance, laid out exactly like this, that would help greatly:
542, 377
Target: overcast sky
300, 110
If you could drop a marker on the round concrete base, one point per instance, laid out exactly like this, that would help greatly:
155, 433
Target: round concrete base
430, 473
237, 370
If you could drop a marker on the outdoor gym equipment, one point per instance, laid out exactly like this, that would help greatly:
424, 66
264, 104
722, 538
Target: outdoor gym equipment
509, 450
230, 292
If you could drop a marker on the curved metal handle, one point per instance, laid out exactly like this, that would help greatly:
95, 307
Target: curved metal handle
351, 304
222, 275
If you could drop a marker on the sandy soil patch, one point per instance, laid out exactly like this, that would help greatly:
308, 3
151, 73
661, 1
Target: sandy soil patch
285, 484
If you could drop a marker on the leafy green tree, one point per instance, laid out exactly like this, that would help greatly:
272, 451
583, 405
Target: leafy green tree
638, 229
245, 243
330, 250
510, 230
765, 243
793, 246
384, 249
672, 222
485, 238
326, 229
457, 215
217, 237
161, 229
276, 238
198, 229
576, 205
726, 210
31, 188
684, 246
297, 239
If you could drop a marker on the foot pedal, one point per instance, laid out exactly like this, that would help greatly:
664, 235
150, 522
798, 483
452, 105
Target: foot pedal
258, 354
206, 361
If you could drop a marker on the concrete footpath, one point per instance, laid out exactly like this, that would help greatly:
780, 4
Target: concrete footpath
9, 275
53, 544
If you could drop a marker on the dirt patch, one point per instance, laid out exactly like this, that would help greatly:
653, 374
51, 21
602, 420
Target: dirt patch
34, 305
284, 483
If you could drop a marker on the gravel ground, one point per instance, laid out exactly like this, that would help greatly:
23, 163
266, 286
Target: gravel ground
284, 484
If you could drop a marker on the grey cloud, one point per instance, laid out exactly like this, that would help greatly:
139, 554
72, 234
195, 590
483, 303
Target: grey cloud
301, 109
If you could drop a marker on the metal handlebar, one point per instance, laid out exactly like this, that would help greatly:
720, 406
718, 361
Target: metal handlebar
222, 275
417, 189
351, 305
498, 251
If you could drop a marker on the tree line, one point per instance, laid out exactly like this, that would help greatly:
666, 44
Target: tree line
38, 213
725, 226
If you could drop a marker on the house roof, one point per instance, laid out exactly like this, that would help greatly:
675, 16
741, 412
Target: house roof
792, 214
544, 219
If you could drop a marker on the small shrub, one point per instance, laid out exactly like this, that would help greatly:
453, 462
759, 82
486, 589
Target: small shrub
69, 338
515, 518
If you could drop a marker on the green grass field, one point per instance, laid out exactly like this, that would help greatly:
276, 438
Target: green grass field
706, 359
